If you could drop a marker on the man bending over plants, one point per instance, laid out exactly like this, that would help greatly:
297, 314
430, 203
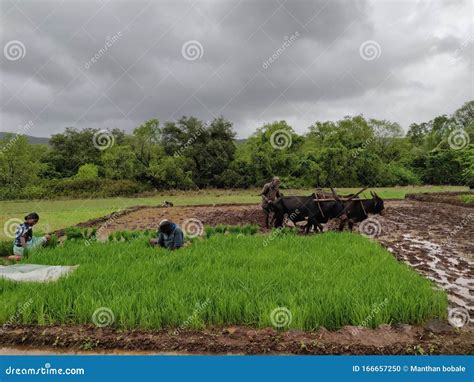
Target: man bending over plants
170, 235
24, 238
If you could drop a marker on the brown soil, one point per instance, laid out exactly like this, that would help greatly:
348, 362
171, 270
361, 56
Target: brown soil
210, 215
436, 240
443, 197
438, 338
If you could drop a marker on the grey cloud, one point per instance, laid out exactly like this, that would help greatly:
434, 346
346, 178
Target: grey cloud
143, 73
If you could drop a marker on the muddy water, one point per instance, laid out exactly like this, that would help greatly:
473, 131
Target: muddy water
436, 240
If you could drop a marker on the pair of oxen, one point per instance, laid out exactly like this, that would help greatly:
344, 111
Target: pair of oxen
319, 208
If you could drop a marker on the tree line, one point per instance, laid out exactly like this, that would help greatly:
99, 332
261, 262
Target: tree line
191, 154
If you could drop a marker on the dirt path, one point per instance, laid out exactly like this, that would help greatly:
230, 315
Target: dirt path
435, 338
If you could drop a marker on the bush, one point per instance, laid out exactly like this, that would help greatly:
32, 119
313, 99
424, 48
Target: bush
6, 248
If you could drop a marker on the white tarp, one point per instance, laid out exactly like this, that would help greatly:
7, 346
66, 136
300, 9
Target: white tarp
35, 272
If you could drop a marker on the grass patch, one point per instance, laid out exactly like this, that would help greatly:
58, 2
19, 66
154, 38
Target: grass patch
467, 198
329, 280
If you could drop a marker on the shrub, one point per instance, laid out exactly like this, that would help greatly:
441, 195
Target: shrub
6, 248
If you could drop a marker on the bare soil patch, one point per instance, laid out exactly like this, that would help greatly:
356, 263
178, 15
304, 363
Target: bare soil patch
403, 339
443, 197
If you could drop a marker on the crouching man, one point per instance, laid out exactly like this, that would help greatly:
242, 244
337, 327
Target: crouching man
169, 235
24, 238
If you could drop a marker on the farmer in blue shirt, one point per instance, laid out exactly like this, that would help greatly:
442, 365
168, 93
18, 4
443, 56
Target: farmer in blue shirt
24, 236
169, 235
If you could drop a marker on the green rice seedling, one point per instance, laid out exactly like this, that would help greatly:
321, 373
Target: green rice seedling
220, 228
73, 233
118, 235
235, 229
254, 229
53, 242
6, 248
209, 231
126, 235
330, 280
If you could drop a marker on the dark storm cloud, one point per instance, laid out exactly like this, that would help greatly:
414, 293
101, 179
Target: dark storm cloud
117, 64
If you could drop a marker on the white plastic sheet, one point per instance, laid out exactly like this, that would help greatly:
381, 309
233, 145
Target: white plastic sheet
35, 272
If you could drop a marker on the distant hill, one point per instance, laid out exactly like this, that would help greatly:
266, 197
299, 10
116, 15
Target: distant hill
31, 140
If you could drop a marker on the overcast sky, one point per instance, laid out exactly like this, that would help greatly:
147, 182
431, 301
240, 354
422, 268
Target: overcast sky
109, 64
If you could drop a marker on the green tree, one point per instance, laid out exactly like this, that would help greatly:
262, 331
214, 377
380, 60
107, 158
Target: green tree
19, 165
119, 162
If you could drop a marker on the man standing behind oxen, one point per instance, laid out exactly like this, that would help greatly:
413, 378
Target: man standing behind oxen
270, 192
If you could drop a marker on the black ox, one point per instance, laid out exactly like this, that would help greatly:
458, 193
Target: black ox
299, 208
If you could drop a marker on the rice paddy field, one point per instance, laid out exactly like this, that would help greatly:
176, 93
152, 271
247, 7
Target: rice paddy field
303, 282
56, 214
